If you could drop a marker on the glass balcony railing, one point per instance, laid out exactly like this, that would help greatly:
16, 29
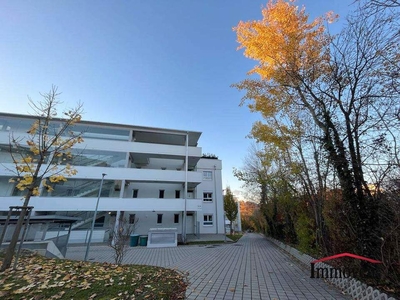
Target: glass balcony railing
92, 158
79, 189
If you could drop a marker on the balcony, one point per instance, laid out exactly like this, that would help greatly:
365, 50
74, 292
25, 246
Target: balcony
105, 204
140, 175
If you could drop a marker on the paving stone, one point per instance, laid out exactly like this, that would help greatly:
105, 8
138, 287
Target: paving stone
252, 268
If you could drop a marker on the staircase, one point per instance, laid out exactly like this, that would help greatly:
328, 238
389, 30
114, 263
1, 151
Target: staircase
83, 189
87, 220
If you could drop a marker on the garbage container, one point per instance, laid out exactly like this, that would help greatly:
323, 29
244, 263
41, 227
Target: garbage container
134, 239
143, 240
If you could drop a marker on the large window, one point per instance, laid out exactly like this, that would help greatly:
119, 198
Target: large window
208, 220
207, 197
95, 158
5, 155
9, 189
12, 124
207, 175
102, 133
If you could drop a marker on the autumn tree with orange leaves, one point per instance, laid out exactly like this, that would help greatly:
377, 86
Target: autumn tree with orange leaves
346, 85
247, 211
39, 158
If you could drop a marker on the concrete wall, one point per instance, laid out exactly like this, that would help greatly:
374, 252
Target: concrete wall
216, 207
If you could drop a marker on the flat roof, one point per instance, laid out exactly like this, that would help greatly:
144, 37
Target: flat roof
193, 135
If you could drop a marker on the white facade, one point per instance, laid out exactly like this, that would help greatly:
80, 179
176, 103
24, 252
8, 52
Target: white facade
147, 170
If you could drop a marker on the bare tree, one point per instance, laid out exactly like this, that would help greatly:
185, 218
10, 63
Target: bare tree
254, 173
38, 156
119, 237
382, 3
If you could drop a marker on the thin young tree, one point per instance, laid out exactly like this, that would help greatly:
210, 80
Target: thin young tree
38, 157
230, 207
119, 236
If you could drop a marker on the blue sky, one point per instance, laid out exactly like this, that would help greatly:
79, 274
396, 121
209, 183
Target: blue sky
150, 62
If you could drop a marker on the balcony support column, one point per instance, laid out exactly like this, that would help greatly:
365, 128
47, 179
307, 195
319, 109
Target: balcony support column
185, 188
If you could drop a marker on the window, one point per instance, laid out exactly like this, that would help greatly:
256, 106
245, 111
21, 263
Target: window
177, 194
159, 218
207, 175
99, 222
135, 193
208, 220
176, 218
132, 218
161, 194
207, 197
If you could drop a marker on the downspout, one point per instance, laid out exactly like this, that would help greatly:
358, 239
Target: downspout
186, 187
216, 204
122, 191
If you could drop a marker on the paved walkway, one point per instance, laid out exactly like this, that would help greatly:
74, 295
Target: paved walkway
252, 268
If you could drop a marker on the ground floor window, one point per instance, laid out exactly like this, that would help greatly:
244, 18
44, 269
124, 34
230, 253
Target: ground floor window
132, 218
99, 222
208, 220
159, 218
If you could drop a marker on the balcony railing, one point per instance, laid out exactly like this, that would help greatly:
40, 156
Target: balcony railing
105, 204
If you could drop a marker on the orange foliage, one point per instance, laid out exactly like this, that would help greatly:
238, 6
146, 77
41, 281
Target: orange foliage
284, 43
247, 208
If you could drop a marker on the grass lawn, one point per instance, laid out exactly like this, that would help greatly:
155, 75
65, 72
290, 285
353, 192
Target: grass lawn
37, 277
234, 237
205, 242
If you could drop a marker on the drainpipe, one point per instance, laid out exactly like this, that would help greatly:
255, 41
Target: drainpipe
94, 217
216, 204
186, 187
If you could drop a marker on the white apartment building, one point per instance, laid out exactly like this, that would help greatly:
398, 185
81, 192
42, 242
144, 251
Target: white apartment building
156, 176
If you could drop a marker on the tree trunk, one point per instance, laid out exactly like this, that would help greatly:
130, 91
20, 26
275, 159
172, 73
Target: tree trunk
13, 243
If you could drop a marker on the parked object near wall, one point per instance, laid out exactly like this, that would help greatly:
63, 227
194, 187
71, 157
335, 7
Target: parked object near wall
162, 237
134, 240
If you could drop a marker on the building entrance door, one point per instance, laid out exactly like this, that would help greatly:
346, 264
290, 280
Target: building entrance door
190, 223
